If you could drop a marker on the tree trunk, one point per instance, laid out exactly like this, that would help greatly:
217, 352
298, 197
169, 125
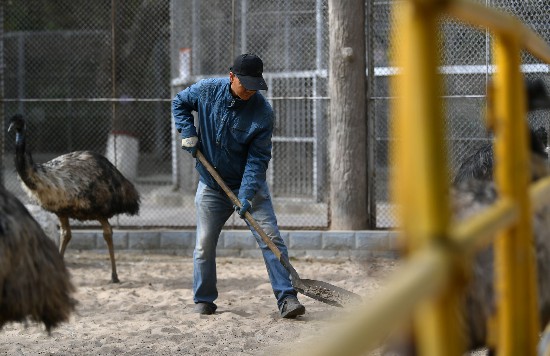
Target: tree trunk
348, 127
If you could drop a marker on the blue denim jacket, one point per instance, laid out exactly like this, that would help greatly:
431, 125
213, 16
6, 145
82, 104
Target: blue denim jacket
234, 135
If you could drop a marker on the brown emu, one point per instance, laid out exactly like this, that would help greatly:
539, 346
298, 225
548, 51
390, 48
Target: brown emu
35, 285
471, 196
474, 190
80, 185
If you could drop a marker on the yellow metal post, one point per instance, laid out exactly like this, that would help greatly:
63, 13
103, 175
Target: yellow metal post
420, 188
421, 184
517, 330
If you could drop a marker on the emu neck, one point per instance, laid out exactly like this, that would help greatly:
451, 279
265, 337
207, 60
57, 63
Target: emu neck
23, 160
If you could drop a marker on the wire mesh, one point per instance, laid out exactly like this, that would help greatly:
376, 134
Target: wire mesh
467, 67
91, 77
100, 76
291, 38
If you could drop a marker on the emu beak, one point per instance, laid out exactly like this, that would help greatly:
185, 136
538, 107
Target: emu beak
537, 95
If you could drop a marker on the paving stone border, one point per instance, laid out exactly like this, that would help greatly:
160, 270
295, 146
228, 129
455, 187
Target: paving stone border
241, 243
301, 243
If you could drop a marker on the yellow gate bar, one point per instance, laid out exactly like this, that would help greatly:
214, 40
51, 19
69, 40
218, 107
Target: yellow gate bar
419, 278
499, 22
421, 183
539, 193
515, 267
479, 230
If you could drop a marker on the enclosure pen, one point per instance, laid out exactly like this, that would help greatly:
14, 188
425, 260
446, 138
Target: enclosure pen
429, 284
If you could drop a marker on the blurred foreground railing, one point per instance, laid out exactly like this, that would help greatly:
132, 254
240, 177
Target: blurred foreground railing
429, 286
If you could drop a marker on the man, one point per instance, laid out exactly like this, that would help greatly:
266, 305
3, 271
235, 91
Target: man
235, 125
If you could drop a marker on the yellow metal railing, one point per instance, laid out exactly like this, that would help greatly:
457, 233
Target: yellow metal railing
427, 288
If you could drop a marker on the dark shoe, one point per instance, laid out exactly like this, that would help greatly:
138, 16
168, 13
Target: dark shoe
204, 309
291, 308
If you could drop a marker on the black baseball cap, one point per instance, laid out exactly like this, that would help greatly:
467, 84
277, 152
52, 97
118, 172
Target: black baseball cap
249, 68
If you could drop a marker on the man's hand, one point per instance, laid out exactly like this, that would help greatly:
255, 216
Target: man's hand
246, 205
190, 145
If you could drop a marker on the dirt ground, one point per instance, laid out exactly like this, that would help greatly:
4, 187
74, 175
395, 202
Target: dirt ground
151, 311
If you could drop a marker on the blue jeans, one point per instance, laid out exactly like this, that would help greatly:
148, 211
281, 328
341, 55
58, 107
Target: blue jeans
213, 209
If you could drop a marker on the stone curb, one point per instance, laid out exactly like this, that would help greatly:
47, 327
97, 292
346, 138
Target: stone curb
240, 243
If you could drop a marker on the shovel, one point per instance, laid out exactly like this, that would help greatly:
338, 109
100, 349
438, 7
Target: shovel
321, 291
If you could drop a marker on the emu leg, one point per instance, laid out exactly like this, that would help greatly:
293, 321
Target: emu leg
108, 236
64, 232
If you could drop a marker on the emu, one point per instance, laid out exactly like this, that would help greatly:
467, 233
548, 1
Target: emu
479, 165
80, 185
470, 196
34, 282
473, 190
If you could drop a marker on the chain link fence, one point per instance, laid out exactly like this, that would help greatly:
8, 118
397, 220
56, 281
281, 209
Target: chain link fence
91, 76
467, 68
291, 37
100, 76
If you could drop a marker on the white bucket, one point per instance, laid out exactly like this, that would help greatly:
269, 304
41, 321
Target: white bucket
127, 153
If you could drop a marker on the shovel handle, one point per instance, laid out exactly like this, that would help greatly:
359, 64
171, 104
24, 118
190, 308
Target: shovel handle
236, 202
321, 291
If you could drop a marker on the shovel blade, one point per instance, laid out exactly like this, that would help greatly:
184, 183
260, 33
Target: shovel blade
325, 292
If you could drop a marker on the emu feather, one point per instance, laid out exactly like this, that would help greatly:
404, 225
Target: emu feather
34, 282
82, 185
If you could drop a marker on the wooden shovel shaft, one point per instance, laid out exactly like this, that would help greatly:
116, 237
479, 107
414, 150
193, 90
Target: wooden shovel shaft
236, 202
318, 290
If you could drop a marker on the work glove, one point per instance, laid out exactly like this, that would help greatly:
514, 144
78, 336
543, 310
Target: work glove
190, 145
246, 205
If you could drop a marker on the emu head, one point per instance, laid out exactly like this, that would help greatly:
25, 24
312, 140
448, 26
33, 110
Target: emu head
537, 95
542, 135
17, 122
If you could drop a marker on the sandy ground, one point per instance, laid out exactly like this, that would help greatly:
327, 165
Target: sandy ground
151, 311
